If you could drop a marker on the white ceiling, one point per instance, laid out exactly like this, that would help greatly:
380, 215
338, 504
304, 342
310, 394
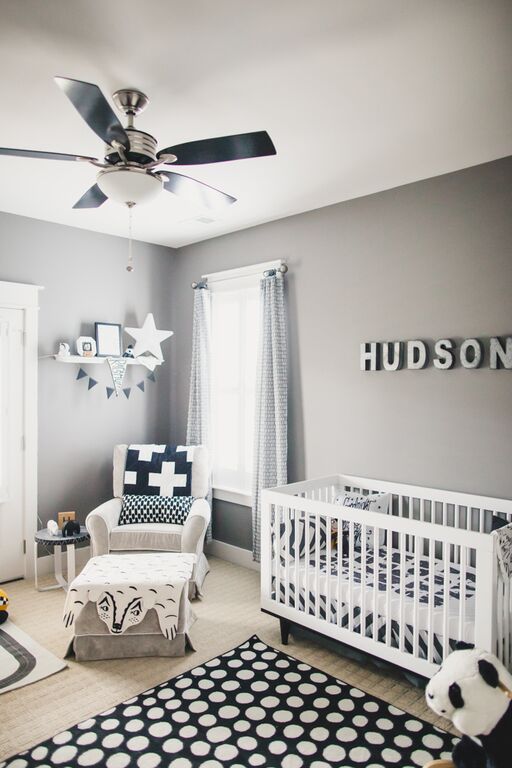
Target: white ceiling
358, 96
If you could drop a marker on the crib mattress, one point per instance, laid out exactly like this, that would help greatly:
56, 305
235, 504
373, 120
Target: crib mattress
407, 604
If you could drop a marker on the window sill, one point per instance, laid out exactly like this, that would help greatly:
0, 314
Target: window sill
235, 497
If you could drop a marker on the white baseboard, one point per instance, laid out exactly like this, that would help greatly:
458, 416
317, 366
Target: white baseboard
45, 564
232, 554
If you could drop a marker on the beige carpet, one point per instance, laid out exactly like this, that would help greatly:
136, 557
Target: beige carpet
227, 615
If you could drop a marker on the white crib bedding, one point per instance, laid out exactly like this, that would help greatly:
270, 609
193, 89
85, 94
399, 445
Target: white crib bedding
414, 609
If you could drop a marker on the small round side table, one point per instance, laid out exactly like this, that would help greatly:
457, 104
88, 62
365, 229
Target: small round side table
56, 543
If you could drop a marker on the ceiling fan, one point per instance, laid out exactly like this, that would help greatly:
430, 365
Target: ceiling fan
131, 171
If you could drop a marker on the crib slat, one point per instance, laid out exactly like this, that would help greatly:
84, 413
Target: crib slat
350, 576
362, 581
328, 569
307, 545
446, 598
401, 642
431, 599
277, 552
296, 549
462, 592
340, 563
415, 640
288, 532
317, 565
506, 628
389, 587
376, 568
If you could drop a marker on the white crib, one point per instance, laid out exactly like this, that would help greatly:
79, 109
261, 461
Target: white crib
433, 582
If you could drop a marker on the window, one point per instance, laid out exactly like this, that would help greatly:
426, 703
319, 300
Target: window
235, 313
235, 335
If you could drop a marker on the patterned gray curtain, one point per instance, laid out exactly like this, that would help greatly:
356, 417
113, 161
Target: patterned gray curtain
198, 424
270, 444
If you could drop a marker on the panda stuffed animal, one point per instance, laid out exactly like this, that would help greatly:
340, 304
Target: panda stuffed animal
474, 690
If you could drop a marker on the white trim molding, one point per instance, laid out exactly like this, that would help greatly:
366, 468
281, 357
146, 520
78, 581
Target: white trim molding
234, 497
26, 297
232, 554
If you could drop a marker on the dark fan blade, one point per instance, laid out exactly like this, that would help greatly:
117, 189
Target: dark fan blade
93, 198
221, 149
196, 191
95, 110
41, 155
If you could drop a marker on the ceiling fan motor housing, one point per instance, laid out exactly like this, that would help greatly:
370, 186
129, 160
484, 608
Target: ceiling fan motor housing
142, 149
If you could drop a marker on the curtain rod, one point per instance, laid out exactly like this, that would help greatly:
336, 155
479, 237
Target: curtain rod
283, 269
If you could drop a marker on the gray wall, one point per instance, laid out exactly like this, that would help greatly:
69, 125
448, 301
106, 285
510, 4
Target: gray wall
427, 260
85, 280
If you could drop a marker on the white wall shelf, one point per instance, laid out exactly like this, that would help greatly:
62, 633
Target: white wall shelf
96, 360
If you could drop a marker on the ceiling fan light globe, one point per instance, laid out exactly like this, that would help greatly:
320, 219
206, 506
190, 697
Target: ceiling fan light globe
129, 185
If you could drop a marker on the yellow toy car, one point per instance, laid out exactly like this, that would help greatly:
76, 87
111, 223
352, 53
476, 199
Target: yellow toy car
4, 604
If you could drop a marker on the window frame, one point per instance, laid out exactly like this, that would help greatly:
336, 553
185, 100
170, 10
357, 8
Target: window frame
227, 280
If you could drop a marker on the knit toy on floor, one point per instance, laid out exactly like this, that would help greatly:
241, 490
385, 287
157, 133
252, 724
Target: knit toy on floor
474, 690
4, 604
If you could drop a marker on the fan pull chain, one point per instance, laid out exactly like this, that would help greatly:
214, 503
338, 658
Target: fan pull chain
129, 266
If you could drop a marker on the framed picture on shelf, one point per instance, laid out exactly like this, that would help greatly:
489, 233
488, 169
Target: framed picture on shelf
108, 339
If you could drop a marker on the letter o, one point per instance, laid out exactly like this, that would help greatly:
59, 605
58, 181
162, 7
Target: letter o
476, 358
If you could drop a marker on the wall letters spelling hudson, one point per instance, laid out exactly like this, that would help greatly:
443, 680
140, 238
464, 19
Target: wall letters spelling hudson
444, 354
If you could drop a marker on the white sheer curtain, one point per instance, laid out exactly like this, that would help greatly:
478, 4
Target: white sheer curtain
270, 443
198, 424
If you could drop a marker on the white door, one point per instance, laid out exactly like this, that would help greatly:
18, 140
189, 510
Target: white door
12, 524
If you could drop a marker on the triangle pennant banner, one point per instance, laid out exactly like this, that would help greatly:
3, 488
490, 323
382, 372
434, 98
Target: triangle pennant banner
141, 386
110, 392
92, 383
127, 391
151, 376
117, 369
81, 373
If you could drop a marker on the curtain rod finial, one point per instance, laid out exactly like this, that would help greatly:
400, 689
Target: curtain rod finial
193, 285
283, 269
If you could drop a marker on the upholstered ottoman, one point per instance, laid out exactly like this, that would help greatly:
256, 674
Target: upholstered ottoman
124, 606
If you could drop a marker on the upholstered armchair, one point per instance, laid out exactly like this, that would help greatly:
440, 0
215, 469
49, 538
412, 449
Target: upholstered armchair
107, 536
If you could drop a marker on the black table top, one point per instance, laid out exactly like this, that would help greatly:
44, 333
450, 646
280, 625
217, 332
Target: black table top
45, 537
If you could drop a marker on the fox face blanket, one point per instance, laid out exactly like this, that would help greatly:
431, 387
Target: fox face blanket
125, 587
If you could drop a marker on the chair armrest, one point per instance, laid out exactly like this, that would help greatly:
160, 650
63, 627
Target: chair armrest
195, 527
100, 522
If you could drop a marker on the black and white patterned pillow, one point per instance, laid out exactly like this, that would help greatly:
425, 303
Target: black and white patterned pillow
158, 470
155, 509
375, 502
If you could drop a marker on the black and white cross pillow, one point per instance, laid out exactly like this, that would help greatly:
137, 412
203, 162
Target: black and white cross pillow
159, 470
155, 509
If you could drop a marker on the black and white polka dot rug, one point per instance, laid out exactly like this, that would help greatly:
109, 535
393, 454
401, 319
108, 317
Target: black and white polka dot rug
252, 706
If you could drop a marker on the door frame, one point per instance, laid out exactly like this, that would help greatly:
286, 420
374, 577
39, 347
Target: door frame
26, 297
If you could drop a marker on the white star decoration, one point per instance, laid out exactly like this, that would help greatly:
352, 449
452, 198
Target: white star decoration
148, 338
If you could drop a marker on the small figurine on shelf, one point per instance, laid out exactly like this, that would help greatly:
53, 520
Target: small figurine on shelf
53, 528
86, 346
128, 351
63, 349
